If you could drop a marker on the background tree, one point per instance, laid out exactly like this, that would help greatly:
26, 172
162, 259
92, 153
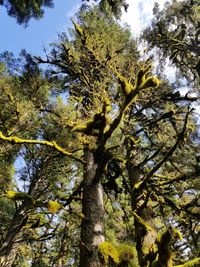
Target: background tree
23, 10
175, 31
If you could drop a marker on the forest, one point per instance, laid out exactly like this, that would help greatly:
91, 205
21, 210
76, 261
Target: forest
99, 149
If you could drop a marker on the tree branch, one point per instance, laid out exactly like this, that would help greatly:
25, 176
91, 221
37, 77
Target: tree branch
54, 145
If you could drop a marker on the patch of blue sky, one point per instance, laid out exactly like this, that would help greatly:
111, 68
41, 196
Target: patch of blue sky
39, 33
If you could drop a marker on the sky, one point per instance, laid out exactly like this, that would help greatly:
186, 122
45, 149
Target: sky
139, 14
40, 33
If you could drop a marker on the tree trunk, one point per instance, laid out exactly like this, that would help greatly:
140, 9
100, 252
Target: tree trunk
8, 245
7, 261
145, 239
92, 228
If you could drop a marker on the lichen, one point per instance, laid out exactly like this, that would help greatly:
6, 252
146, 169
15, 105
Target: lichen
150, 82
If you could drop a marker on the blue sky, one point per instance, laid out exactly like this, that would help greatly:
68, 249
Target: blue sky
39, 33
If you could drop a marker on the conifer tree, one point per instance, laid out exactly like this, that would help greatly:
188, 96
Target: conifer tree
99, 133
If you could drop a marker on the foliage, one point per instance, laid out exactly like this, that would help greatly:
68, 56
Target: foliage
175, 31
24, 10
103, 140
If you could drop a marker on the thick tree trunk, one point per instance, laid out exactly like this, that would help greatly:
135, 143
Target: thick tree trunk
92, 228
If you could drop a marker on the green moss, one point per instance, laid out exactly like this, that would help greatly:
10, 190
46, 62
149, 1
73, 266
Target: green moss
125, 85
141, 76
78, 28
191, 263
150, 82
128, 254
19, 196
144, 224
119, 254
109, 251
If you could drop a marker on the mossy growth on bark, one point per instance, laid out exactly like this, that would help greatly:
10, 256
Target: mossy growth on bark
118, 255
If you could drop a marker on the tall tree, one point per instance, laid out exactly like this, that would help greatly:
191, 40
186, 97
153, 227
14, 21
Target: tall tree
100, 126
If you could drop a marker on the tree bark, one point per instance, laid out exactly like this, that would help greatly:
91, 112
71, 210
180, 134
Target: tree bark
92, 226
8, 260
8, 245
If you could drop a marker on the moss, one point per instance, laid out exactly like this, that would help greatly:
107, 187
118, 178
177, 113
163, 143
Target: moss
109, 251
17, 140
53, 206
142, 223
177, 234
128, 254
19, 196
120, 254
141, 75
150, 82
125, 85
78, 28
191, 263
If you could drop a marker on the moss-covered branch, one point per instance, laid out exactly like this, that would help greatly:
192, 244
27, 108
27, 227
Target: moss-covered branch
54, 145
191, 263
131, 92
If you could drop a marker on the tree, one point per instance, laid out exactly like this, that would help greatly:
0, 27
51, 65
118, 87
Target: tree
24, 10
103, 133
175, 32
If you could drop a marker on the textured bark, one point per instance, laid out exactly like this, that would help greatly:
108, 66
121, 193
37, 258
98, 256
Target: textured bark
8, 260
8, 245
145, 238
92, 228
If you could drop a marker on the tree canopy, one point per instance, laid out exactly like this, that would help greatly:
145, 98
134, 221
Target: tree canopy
175, 30
24, 10
99, 154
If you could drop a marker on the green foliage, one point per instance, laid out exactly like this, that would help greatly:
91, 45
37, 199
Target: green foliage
128, 255
99, 115
24, 10
175, 32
